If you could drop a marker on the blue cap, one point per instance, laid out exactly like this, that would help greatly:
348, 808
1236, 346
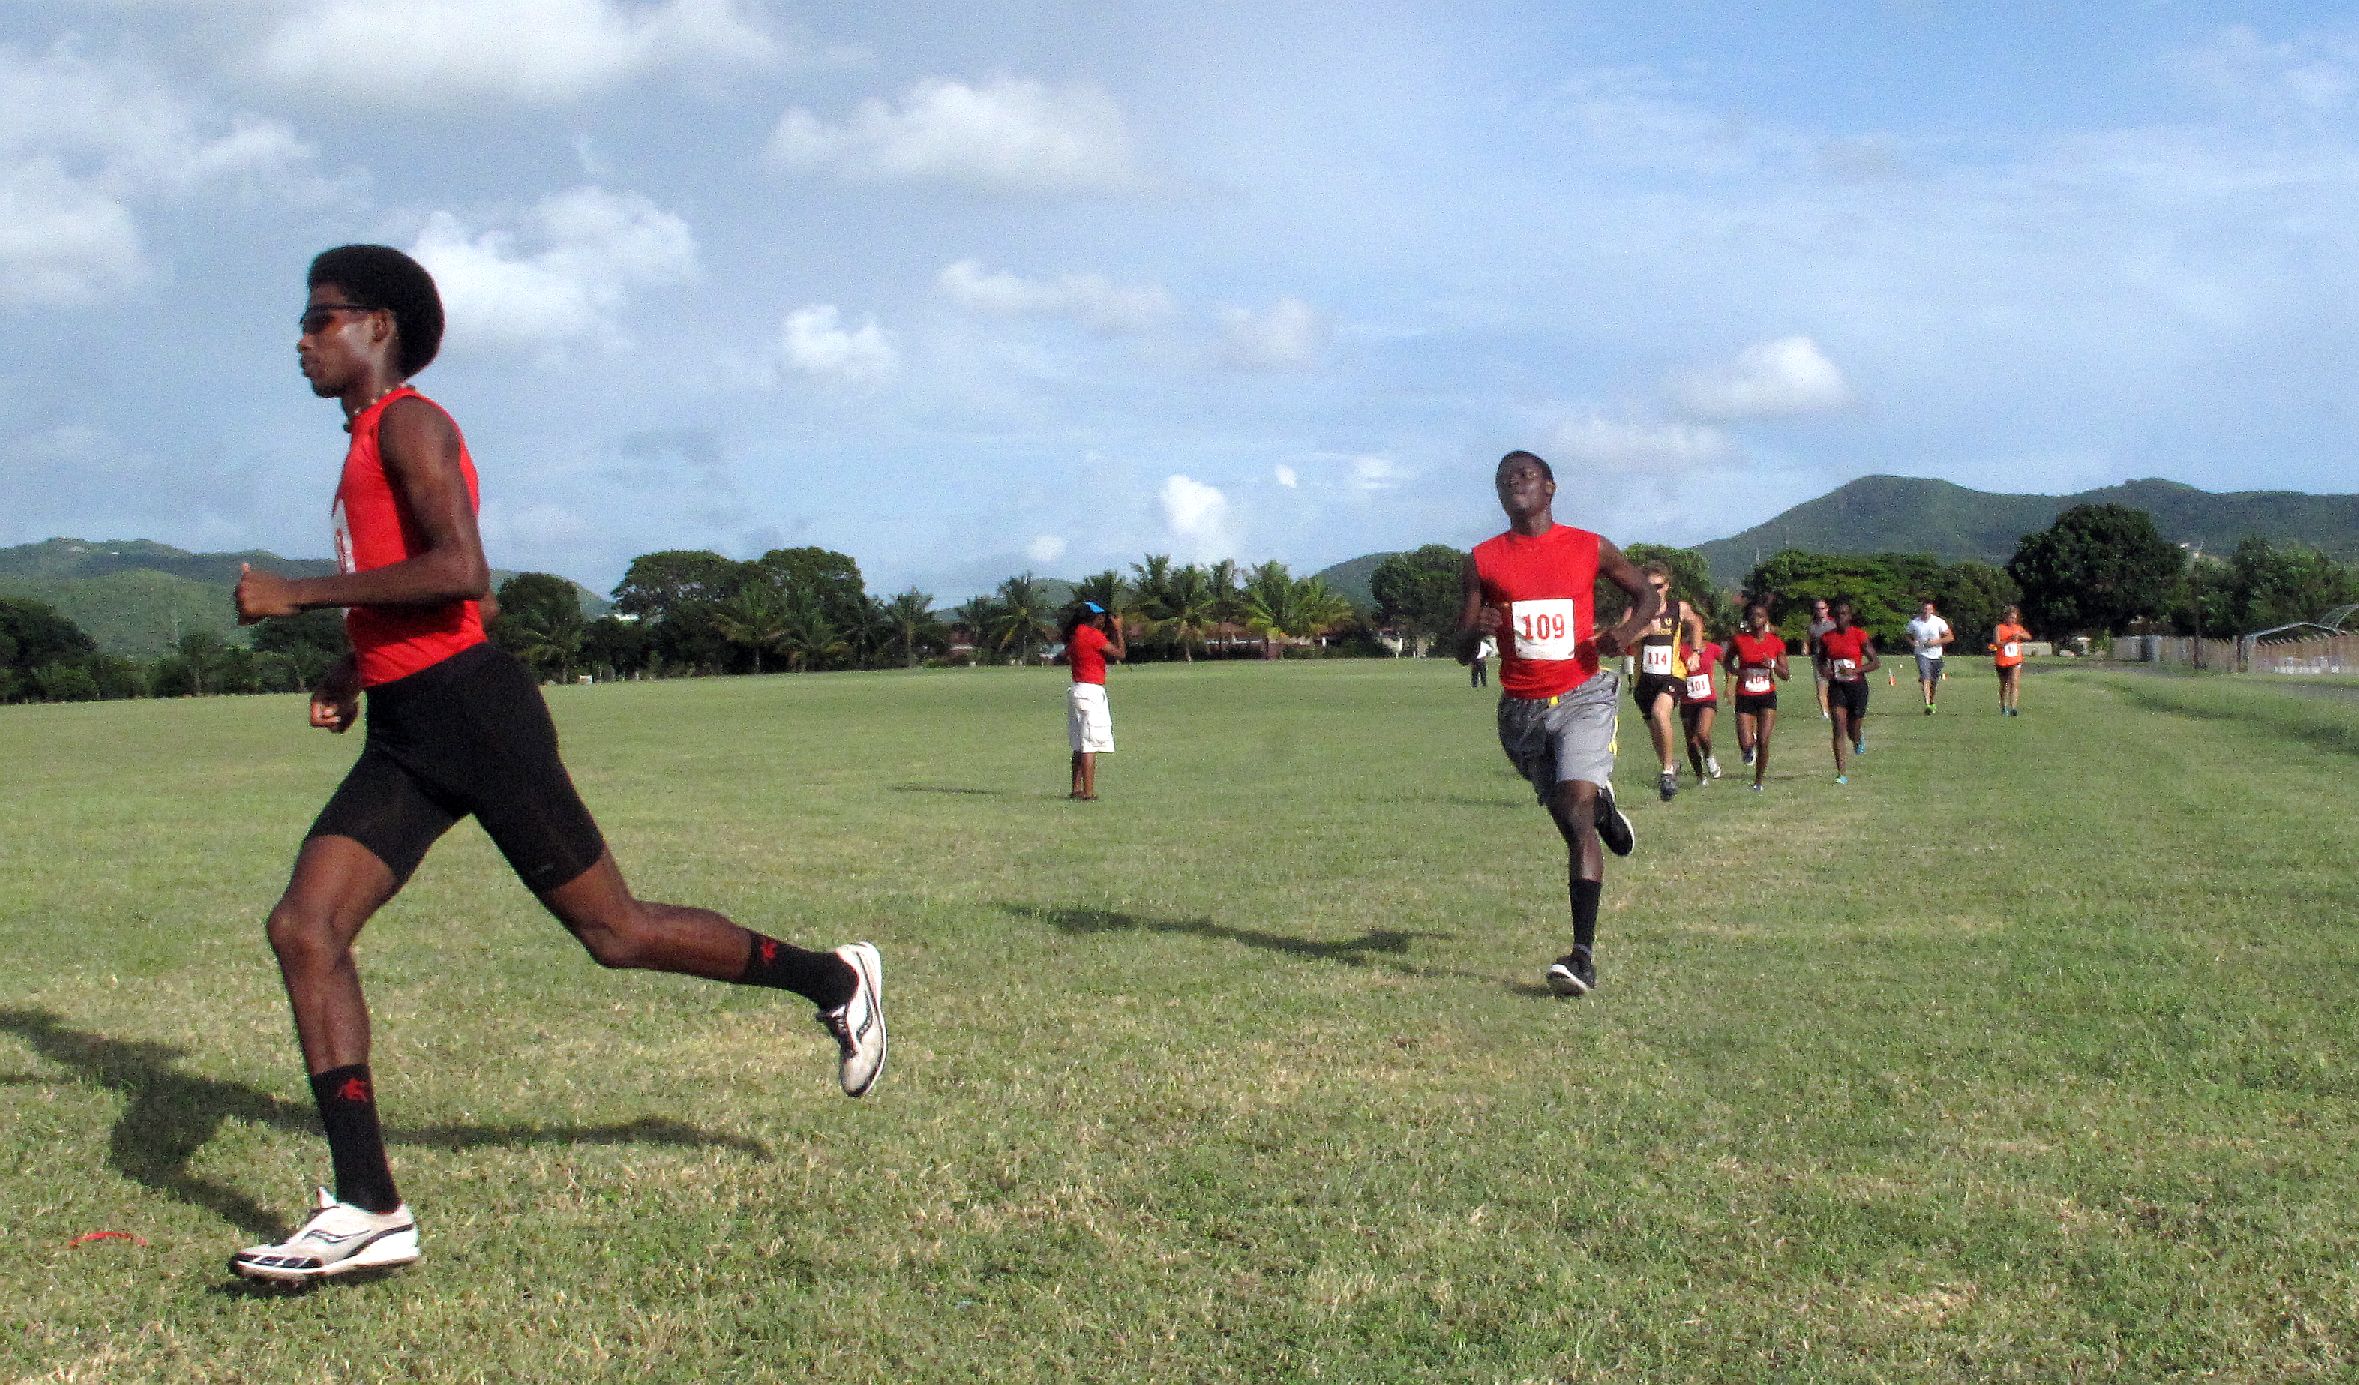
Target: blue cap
1093, 608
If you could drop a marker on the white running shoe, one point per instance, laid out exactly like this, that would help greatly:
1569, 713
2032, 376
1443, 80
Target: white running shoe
339, 1239
859, 1023
1712, 766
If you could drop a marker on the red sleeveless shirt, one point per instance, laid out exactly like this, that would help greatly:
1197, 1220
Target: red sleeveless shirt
374, 531
1547, 586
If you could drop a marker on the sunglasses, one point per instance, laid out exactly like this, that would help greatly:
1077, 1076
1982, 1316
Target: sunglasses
320, 316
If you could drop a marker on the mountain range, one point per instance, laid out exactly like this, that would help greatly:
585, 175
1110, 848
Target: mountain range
1914, 514
135, 597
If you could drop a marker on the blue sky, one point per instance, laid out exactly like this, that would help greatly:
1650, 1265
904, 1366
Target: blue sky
1038, 287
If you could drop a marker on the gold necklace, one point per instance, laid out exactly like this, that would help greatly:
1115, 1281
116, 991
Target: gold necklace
374, 400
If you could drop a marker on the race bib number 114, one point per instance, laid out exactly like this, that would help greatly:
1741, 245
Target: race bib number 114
1543, 629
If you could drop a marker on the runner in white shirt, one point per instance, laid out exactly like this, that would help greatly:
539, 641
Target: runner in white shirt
1930, 635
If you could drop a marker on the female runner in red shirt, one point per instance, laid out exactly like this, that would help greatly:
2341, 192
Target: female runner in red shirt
1757, 662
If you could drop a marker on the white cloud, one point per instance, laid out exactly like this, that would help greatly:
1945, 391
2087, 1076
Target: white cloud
1045, 548
1010, 136
1376, 474
560, 274
424, 52
1287, 477
1625, 445
84, 144
61, 238
1198, 517
818, 345
1090, 299
1770, 379
2248, 75
1289, 335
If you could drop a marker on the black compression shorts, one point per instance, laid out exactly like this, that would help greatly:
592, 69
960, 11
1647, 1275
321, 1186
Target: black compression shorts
1649, 686
1851, 697
1749, 704
467, 736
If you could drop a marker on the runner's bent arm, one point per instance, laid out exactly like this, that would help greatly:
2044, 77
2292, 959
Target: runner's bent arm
420, 449
1475, 620
1645, 602
1875, 661
1116, 647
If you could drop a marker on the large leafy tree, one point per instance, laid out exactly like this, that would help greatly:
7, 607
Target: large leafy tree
618, 645
675, 591
309, 642
1418, 592
2271, 584
1883, 589
541, 623
2095, 570
832, 577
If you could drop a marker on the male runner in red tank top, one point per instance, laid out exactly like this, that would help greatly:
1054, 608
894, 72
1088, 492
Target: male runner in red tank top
456, 728
1531, 589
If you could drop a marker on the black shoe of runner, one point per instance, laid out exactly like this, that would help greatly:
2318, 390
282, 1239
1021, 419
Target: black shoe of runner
1670, 787
1613, 826
1573, 974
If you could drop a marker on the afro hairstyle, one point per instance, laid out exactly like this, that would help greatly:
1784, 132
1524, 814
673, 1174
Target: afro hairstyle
379, 276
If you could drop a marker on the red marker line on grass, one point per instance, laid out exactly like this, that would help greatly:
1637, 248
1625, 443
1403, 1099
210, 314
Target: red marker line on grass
88, 1236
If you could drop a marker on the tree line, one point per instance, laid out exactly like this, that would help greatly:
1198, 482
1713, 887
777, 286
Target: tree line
2097, 570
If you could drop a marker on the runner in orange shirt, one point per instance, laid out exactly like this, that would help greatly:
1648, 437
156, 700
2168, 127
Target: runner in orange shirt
2006, 650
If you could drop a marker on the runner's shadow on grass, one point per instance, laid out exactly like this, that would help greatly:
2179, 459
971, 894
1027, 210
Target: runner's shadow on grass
1378, 947
169, 1115
959, 789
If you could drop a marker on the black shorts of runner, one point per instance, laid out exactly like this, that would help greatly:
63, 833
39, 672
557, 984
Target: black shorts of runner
1851, 697
1651, 686
1753, 704
467, 736
1689, 711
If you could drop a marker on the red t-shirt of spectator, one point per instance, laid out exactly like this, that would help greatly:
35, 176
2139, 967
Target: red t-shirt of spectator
1086, 652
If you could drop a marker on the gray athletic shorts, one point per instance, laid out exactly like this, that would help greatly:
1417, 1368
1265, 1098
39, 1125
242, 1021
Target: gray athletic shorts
1553, 739
1929, 668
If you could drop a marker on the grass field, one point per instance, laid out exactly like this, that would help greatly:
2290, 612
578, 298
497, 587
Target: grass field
2027, 1056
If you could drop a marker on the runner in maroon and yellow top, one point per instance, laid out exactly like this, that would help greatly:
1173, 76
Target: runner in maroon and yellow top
456, 728
1849, 653
1756, 660
2006, 651
1532, 590
1699, 707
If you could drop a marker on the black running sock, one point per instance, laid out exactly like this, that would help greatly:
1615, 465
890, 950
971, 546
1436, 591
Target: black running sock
1585, 897
822, 978
348, 1108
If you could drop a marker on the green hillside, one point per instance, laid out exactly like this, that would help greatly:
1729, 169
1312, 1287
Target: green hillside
134, 612
1907, 514
1352, 577
136, 598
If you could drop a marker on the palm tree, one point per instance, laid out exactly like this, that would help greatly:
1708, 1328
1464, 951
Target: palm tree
806, 635
754, 617
1109, 590
910, 621
1228, 590
867, 629
1020, 616
1188, 609
1281, 609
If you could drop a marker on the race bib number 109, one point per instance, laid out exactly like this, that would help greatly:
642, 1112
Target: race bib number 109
1543, 629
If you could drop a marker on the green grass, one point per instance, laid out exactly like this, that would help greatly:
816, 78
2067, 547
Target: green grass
2026, 1056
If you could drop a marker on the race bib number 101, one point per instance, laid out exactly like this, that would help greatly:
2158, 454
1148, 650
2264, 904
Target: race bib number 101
1543, 629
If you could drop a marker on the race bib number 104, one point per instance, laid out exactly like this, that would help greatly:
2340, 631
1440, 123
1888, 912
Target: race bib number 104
1543, 629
